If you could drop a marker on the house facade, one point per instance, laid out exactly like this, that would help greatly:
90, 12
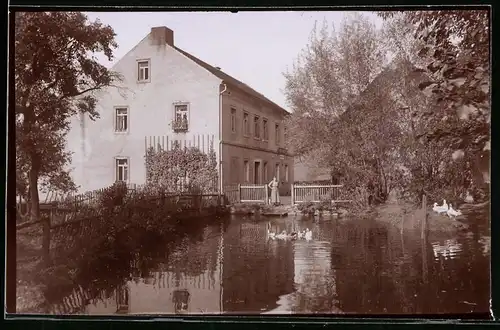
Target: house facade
253, 141
166, 92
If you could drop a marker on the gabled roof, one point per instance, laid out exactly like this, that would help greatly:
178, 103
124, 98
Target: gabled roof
230, 80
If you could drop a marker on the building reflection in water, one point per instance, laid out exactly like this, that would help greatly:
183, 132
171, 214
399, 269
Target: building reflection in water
122, 299
188, 283
180, 298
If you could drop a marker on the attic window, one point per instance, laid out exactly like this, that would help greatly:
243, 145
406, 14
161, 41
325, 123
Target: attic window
143, 71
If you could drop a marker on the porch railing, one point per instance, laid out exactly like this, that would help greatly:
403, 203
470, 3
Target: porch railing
315, 193
255, 193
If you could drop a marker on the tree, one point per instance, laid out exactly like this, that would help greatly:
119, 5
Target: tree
454, 55
55, 78
327, 91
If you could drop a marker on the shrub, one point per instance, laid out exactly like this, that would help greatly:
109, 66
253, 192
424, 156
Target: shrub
182, 169
113, 196
307, 208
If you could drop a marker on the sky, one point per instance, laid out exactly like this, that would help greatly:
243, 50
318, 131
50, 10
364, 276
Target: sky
253, 47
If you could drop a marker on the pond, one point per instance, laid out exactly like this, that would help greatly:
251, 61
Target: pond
349, 267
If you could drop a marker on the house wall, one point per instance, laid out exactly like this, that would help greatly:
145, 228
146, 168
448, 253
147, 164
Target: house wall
174, 78
239, 147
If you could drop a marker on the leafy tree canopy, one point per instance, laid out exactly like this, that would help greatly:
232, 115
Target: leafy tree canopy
56, 76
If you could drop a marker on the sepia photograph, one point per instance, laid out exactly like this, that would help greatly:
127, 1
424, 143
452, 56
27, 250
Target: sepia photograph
252, 162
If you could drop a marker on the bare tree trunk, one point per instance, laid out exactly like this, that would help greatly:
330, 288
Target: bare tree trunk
383, 179
35, 206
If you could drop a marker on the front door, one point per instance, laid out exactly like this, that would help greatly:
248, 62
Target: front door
256, 173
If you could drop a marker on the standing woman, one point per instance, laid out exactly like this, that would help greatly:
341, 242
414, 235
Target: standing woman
275, 196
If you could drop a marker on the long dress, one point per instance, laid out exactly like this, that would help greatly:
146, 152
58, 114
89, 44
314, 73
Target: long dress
275, 196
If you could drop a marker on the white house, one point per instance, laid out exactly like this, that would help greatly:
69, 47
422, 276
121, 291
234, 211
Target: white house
166, 92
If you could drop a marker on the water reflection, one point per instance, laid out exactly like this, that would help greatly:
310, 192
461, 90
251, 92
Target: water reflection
350, 266
314, 280
449, 249
256, 270
485, 242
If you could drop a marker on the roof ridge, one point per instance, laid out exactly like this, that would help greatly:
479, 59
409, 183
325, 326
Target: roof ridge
228, 78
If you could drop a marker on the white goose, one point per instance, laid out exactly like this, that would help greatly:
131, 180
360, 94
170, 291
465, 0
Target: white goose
308, 235
453, 213
270, 234
283, 235
439, 208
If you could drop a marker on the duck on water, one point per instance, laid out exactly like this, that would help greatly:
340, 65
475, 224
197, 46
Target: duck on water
305, 234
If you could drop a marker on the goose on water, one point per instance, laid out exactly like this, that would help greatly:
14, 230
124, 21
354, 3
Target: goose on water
270, 234
308, 235
301, 234
283, 235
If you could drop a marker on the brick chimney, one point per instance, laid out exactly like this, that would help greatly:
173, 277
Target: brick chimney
162, 35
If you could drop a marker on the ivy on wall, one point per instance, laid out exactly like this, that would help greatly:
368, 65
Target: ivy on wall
182, 169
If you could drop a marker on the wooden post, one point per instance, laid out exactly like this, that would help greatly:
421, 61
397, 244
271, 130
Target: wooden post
266, 194
424, 218
239, 193
46, 237
293, 194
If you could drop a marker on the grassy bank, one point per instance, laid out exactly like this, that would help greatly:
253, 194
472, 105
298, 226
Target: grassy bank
29, 291
408, 216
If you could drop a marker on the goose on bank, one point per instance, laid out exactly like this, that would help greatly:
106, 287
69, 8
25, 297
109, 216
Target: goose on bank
439, 209
452, 212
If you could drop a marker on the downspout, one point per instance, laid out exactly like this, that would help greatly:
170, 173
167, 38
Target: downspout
220, 138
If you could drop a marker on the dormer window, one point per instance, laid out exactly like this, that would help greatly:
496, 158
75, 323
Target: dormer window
143, 71
181, 117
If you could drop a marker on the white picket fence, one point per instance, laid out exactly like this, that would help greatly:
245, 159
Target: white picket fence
316, 193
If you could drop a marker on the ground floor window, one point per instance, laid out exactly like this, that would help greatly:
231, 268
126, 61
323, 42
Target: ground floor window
234, 170
277, 172
286, 173
121, 169
246, 171
264, 170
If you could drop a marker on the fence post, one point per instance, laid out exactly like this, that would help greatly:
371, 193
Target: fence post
293, 194
266, 194
239, 193
424, 218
